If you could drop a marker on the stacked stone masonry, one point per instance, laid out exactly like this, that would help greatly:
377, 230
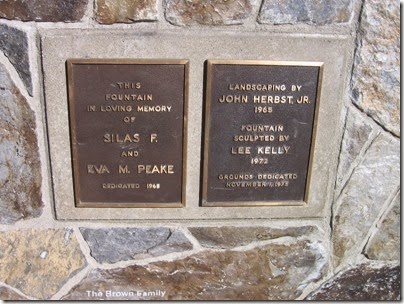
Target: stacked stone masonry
351, 253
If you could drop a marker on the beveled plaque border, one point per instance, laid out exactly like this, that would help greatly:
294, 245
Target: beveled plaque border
209, 64
72, 124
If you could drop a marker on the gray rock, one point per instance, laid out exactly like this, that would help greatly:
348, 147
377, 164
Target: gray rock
14, 45
357, 133
43, 10
111, 245
372, 182
176, 242
385, 244
376, 74
364, 282
211, 12
305, 11
20, 172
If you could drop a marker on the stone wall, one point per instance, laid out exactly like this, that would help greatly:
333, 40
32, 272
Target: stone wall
351, 253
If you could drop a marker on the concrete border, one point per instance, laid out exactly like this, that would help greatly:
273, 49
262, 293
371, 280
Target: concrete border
58, 45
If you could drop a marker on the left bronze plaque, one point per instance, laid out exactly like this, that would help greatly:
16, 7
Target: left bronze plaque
128, 121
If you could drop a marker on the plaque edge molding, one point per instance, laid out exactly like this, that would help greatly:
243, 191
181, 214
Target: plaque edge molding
209, 64
73, 152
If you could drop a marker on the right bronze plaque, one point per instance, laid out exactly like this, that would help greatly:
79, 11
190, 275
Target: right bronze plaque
260, 123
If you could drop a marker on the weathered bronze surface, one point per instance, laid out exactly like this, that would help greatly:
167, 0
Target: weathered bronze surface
128, 131
260, 123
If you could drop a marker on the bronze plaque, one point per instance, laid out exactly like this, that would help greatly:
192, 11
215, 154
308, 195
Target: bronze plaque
260, 123
128, 131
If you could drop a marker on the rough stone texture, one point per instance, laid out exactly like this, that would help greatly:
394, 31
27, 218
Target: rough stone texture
43, 10
230, 237
20, 174
356, 135
7, 294
39, 262
361, 283
176, 242
125, 11
376, 74
122, 244
385, 244
277, 271
211, 12
305, 11
371, 184
14, 45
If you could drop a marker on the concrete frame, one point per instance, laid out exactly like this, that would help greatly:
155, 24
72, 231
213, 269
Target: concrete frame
59, 45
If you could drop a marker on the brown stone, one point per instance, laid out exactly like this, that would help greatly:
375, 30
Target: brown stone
371, 184
376, 73
43, 10
39, 262
273, 272
211, 12
385, 243
361, 283
7, 294
125, 11
20, 172
230, 237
